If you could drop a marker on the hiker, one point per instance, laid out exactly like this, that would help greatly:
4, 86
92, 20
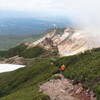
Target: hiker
62, 68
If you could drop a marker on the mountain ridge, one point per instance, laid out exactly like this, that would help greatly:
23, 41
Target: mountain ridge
69, 41
23, 83
44, 61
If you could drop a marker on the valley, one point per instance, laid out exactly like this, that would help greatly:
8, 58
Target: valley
14, 31
10, 41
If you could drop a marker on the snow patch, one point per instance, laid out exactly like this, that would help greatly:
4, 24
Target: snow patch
9, 67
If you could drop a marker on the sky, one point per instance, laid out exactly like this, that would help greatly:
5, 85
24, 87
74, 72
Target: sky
29, 4
44, 6
82, 12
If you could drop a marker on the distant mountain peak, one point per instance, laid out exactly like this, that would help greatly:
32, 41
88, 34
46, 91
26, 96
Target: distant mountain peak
68, 41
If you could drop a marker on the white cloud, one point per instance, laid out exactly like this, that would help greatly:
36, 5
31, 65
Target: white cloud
85, 12
26, 4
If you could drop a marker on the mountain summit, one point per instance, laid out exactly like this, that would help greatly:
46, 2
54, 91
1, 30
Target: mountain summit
68, 41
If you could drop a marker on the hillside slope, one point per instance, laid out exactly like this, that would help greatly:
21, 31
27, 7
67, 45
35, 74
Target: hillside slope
70, 41
83, 68
23, 84
22, 50
10, 41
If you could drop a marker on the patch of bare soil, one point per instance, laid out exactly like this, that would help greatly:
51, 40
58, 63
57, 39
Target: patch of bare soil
62, 89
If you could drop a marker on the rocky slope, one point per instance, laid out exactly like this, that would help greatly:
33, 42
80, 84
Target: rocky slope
63, 89
68, 41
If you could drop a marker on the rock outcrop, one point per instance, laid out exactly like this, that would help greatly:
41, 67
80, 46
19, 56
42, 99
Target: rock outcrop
12, 60
48, 44
63, 89
67, 41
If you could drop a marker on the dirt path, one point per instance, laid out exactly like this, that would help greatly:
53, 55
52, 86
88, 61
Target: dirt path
62, 89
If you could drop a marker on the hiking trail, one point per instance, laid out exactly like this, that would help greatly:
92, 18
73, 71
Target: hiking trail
63, 89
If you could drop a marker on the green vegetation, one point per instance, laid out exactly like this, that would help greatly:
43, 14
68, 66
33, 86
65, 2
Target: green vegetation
84, 68
13, 51
32, 52
60, 30
23, 84
96, 89
10, 41
23, 51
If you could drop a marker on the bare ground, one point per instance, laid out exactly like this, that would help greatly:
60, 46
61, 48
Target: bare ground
62, 89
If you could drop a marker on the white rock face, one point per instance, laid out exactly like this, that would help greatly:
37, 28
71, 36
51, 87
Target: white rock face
73, 41
9, 67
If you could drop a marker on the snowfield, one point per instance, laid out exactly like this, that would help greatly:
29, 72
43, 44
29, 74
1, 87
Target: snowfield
9, 67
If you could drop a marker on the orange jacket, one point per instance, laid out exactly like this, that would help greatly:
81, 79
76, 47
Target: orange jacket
62, 67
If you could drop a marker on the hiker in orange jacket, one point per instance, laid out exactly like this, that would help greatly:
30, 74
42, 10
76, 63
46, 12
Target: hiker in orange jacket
62, 68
